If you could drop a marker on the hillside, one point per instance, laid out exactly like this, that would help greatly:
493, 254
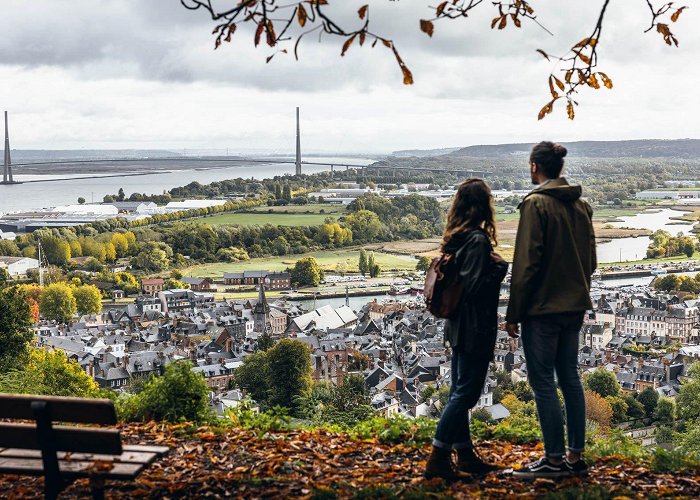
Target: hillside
679, 148
317, 464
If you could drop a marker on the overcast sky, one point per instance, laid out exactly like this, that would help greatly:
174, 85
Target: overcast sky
143, 74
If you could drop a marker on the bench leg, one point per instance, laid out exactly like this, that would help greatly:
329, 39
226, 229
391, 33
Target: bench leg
97, 488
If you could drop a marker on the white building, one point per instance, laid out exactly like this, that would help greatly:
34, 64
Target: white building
668, 194
88, 209
7, 235
18, 266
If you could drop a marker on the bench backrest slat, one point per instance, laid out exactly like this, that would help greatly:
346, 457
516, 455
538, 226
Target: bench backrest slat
74, 439
62, 409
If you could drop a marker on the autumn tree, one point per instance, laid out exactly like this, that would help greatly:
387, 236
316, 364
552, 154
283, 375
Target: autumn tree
88, 299
281, 26
598, 409
50, 373
423, 264
57, 303
306, 272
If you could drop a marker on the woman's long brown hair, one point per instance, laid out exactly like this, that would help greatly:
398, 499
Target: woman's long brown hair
472, 208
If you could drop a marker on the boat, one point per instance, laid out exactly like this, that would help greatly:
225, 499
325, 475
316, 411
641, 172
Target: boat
398, 290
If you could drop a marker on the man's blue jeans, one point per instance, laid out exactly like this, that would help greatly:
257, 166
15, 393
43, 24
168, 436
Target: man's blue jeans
550, 343
468, 375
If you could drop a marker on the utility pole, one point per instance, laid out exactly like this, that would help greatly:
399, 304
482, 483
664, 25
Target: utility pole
298, 155
7, 171
41, 268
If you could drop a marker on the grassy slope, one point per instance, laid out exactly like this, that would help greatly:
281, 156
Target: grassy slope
327, 259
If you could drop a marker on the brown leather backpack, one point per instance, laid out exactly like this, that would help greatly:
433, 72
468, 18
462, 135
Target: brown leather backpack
442, 288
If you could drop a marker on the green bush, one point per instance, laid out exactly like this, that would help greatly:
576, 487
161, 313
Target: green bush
179, 395
612, 443
397, 429
674, 460
274, 420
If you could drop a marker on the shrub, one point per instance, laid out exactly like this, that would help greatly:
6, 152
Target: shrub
397, 429
612, 443
180, 394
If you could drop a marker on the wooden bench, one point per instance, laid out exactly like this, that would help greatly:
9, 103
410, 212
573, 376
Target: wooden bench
64, 453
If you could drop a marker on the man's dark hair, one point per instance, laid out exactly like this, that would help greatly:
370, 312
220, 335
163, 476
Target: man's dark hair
549, 158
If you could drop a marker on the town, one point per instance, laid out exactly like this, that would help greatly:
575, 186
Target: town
644, 337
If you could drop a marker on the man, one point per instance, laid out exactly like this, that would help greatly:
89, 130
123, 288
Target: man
549, 294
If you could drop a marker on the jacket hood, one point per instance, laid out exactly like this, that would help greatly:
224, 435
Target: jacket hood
559, 189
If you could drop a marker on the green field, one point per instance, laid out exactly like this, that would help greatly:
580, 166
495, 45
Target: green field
314, 208
327, 259
260, 219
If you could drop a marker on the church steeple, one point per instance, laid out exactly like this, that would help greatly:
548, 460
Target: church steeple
261, 311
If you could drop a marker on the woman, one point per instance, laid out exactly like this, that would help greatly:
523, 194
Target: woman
469, 234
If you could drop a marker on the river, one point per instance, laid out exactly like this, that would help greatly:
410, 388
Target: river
632, 249
66, 191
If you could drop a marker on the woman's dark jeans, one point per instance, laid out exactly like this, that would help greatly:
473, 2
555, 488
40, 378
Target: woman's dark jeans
551, 345
468, 376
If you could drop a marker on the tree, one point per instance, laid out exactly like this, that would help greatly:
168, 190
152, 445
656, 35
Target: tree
81, 200
365, 225
289, 368
306, 272
523, 391
602, 382
265, 342
121, 195
179, 394
253, 377
16, 326
374, 269
688, 399
173, 284
648, 398
126, 282
56, 250
50, 373
598, 409
619, 408
88, 299
575, 70
58, 303
423, 264
4, 277
635, 410
287, 192
152, 258
346, 404
482, 414
9, 248
665, 411
121, 244
363, 264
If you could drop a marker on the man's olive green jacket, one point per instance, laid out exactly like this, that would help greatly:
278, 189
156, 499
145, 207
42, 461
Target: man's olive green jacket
554, 253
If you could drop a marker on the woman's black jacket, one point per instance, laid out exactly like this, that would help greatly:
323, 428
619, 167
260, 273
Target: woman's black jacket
476, 324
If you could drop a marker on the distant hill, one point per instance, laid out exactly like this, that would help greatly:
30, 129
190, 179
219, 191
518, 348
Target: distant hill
33, 155
420, 153
651, 148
